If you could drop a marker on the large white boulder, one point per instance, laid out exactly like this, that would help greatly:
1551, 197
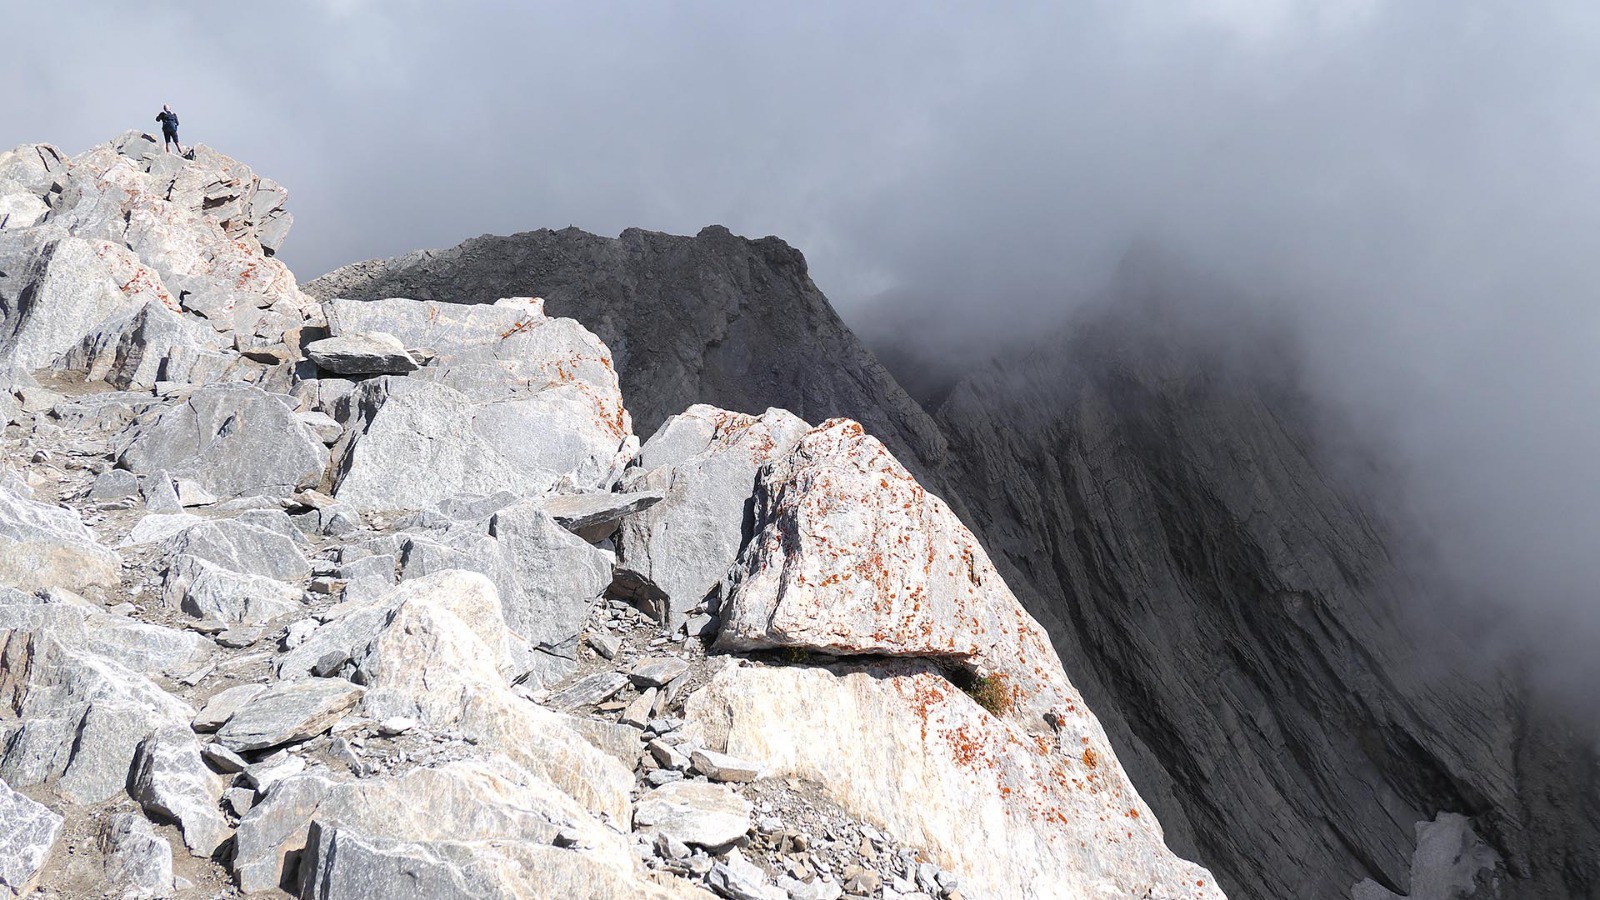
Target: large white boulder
851, 556
71, 286
513, 400
1017, 814
472, 828
442, 656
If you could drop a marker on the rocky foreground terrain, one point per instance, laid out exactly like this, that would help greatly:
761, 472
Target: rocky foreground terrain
385, 599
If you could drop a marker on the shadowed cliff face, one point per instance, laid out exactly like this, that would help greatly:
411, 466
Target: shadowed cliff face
1233, 596
715, 319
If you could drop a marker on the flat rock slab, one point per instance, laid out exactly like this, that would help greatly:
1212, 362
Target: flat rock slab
362, 353
27, 833
289, 711
657, 672
223, 705
588, 690
705, 815
588, 514
722, 767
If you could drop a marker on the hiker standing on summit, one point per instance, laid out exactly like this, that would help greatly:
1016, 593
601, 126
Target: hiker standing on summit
169, 127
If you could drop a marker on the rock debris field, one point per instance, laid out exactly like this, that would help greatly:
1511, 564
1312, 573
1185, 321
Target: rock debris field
386, 599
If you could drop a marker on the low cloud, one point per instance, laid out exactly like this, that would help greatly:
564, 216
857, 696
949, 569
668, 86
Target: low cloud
1411, 184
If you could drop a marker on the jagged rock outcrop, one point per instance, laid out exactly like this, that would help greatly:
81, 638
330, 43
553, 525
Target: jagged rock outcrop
1232, 606
716, 319
364, 631
704, 462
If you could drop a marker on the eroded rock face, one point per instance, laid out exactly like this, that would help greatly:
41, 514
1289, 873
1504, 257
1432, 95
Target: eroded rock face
234, 439
851, 556
1163, 506
925, 760
704, 462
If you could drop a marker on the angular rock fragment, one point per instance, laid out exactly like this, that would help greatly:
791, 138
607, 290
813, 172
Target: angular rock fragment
361, 353
657, 672
137, 860
704, 462
233, 439
43, 546
171, 780
74, 621
594, 517
223, 705
288, 711
703, 815
722, 767
208, 591
28, 832
239, 546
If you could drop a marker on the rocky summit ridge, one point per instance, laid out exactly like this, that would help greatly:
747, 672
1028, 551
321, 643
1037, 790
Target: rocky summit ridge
381, 597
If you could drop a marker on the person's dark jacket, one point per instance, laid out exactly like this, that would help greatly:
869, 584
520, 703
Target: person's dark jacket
168, 120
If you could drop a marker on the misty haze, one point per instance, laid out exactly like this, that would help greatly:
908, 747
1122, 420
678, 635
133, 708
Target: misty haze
701, 449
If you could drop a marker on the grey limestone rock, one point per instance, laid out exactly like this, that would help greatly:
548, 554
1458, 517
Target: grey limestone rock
411, 443
696, 813
79, 717
557, 578
240, 546
234, 439
28, 832
206, 590
704, 463
63, 289
288, 711
44, 546
361, 353
594, 517
222, 705
137, 860
171, 780
146, 648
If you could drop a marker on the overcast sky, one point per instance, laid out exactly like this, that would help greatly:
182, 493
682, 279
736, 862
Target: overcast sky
1415, 180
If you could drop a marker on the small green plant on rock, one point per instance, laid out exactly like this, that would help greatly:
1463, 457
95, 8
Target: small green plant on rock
992, 692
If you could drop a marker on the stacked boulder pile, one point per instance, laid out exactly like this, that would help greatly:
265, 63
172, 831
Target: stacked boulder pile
384, 599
